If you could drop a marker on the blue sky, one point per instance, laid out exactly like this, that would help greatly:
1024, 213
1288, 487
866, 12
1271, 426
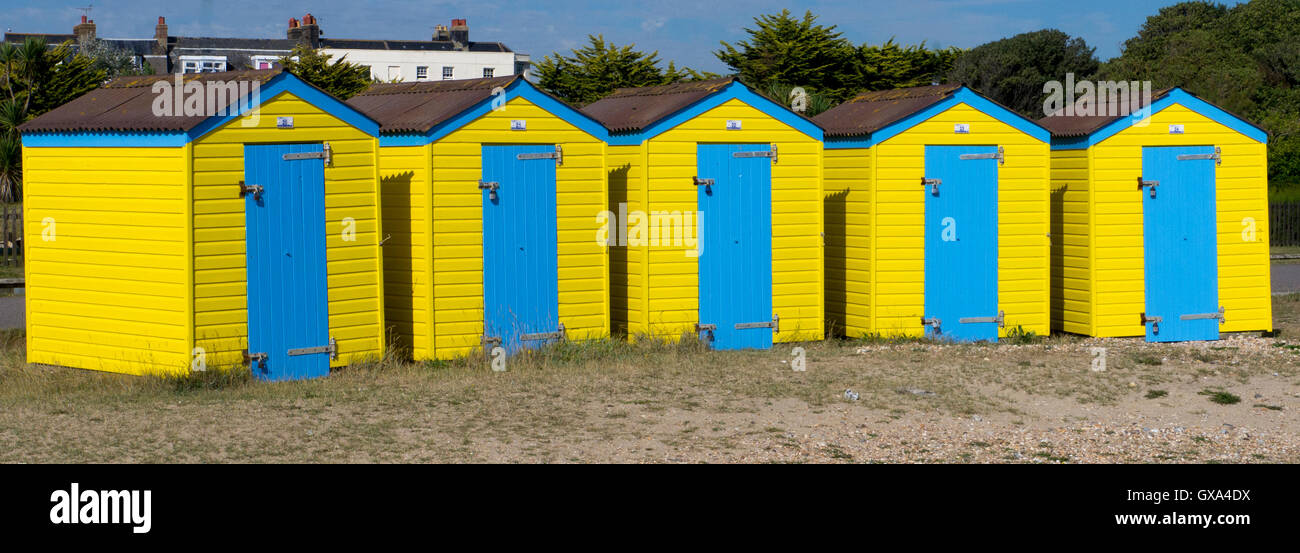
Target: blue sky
685, 31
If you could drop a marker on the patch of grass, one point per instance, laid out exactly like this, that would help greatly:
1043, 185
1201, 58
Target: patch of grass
1018, 336
1147, 359
1156, 394
836, 453
1269, 407
1221, 397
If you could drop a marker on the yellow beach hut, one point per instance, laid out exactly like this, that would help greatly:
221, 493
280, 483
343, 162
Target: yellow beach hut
1160, 220
179, 223
716, 191
936, 216
491, 194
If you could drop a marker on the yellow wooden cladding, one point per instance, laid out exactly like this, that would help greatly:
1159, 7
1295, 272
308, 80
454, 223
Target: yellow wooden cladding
136, 257
875, 227
106, 283
657, 286
1102, 283
434, 211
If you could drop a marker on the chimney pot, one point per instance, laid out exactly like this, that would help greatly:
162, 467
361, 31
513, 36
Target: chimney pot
162, 20
83, 19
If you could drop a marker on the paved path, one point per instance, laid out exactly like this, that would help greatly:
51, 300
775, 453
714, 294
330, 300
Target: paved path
1286, 278
12, 312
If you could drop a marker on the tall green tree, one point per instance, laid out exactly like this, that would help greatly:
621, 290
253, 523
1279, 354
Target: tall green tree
1245, 58
594, 71
1013, 70
34, 79
341, 78
798, 51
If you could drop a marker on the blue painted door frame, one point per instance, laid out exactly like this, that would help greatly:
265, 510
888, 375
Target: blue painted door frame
288, 306
961, 243
520, 254
735, 264
1180, 244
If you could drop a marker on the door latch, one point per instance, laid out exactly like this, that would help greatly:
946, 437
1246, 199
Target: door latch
254, 189
1151, 183
702, 182
259, 358
491, 187
934, 323
1155, 322
933, 184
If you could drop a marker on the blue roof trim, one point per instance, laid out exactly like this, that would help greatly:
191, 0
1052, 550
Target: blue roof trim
284, 82
287, 82
734, 91
1175, 96
847, 143
520, 88
89, 139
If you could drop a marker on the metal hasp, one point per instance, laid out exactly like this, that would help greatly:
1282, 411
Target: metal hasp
260, 358
1204, 316
1000, 155
493, 341
702, 182
772, 154
933, 184
1001, 319
932, 323
557, 335
557, 155
1155, 322
491, 187
326, 154
332, 349
254, 189
774, 324
1217, 156
1145, 183
706, 328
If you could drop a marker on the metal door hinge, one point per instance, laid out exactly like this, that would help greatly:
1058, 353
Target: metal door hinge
260, 358
1145, 183
1000, 155
326, 154
702, 182
770, 154
1204, 316
774, 324
491, 187
537, 336
934, 323
1217, 156
332, 348
557, 155
1155, 322
1001, 319
933, 184
254, 189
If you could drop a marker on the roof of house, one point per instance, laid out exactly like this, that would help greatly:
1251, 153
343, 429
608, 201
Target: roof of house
871, 111
633, 109
420, 106
436, 45
1069, 126
223, 43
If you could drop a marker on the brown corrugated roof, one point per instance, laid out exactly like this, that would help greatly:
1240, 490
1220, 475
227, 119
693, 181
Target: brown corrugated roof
1071, 126
871, 111
126, 104
633, 109
420, 106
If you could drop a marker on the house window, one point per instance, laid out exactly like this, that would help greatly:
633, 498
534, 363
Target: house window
421, 72
487, 72
446, 73
265, 62
203, 64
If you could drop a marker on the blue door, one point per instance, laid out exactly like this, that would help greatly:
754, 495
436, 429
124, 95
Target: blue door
735, 264
961, 243
521, 297
288, 311
1181, 252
